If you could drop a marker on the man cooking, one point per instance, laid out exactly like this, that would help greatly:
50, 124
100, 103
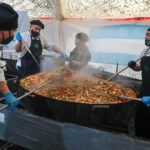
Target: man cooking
29, 59
143, 113
8, 25
26, 64
144, 66
80, 56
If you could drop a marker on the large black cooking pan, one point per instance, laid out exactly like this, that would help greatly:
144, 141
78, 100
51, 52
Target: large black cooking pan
112, 116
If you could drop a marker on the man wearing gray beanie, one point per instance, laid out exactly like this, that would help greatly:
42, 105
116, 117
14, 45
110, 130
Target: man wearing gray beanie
8, 25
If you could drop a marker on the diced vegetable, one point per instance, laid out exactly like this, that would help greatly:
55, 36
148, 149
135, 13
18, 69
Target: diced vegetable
76, 88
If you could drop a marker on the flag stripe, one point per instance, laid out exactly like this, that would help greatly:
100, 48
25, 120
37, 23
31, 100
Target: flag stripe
119, 32
112, 58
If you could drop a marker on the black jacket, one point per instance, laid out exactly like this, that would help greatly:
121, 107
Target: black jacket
80, 54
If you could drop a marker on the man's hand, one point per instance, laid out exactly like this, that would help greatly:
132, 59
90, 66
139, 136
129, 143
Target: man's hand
131, 64
146, 100
63, 55
19, 37
18, 46
11, 100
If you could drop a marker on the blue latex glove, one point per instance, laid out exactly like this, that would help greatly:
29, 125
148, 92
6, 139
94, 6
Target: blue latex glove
17, 68
146, 100
18, 37
63, 55
11, 100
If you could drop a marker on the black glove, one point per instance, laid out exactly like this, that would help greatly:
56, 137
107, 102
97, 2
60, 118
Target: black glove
131, 64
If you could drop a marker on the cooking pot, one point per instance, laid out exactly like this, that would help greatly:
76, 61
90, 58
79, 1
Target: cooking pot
112, 116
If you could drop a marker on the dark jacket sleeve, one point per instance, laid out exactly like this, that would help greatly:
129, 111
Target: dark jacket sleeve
80, 54
86, 57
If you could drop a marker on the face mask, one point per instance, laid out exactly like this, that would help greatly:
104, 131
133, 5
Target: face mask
8, 40
147, 42
35, 33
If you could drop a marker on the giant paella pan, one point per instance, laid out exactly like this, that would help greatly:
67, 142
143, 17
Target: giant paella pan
74, 97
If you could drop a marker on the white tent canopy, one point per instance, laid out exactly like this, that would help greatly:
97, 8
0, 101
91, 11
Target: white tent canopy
83, 8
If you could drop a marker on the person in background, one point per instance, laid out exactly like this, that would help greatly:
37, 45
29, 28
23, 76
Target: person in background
80, 56
144, 66
142, 112
36, 42
8, 26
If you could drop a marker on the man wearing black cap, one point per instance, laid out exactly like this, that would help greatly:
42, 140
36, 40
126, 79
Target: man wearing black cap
8, 25
143, 112
26, 64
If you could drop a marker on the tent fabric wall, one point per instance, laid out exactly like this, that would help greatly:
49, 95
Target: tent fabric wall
51, 33
111, 42
123, 38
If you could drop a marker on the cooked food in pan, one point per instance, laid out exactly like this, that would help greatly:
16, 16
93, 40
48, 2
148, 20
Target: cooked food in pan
75, 87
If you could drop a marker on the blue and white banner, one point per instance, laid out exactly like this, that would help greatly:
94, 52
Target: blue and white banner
117, 43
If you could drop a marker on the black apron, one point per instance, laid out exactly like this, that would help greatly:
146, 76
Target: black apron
143, 112
28, 64
145, 67
28, 67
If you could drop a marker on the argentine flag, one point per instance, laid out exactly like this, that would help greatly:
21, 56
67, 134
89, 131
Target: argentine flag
114, 44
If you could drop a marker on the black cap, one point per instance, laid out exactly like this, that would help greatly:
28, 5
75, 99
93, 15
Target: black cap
37, 22
8, 17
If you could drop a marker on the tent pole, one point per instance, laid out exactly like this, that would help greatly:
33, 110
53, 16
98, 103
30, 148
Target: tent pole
51, 6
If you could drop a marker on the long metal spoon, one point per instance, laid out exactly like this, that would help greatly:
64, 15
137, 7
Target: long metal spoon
130, 98
23, 42
127, 66
26, 94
